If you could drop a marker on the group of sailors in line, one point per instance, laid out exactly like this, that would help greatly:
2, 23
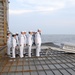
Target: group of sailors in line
19, 42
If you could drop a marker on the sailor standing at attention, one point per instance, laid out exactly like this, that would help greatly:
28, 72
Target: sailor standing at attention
17, 41
8, 43
38, 42
33, 36
25, 39
29, 43
14, 44
17, 38
21, 44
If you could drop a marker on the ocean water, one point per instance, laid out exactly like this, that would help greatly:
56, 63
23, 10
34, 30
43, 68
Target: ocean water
58, 39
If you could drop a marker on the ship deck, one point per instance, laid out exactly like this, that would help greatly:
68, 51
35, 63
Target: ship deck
55, 63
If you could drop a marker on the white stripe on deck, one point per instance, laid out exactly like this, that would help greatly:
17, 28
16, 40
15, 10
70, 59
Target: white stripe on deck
65, 50
58, 49
48, 48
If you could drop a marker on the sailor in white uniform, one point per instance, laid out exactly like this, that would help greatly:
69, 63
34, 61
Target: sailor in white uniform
18, 42
25, 39
14, 44
17, 38
38, 42
21, 44
29, 38
8, 43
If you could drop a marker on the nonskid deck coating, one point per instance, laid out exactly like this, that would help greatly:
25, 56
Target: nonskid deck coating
55, 63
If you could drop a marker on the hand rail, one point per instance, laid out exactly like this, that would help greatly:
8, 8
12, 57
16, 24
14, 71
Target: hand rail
3, 48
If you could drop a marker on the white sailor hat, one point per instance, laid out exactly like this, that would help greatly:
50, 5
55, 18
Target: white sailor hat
7, 36
39, 29
16, 32
22, 31
8, 32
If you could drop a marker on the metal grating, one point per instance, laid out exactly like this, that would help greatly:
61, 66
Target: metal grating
56, 63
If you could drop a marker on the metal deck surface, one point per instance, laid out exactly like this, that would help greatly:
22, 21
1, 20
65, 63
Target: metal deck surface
55, 63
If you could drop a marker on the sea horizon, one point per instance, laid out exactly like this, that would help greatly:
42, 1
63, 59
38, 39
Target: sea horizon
58, 38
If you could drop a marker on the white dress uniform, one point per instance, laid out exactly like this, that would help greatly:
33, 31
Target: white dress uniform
18, 42
25, 39
8, 44
29, 44
21, 45
14, 44
38, 43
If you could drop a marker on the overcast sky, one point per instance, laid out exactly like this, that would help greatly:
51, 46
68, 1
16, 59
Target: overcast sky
51, 16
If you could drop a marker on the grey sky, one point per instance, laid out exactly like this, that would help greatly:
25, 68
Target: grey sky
51, 16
